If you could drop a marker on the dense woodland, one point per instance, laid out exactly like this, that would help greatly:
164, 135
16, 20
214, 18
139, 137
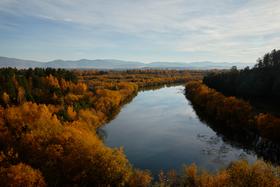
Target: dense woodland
215, 98
143, 78
48, 130
262, 81
48, 123
233, 113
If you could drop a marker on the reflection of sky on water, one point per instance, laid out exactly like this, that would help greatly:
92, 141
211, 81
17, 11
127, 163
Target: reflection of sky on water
160, 130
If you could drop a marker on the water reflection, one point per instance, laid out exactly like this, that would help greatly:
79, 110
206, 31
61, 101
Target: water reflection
160, 130
249, 141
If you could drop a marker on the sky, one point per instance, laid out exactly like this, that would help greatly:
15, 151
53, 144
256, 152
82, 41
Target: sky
139, 30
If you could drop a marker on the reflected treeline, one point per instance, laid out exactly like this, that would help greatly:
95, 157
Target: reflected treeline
48, 123
117, 111
156, 87
249, 141
102, 133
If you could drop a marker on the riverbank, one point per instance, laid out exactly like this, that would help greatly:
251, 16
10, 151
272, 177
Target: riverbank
48, 122
158, 128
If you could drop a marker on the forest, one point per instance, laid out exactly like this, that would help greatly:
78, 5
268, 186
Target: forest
233, 113
225, 96
262, 81
49, 120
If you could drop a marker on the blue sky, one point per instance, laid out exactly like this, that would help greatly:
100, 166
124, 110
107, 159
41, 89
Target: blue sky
139, 30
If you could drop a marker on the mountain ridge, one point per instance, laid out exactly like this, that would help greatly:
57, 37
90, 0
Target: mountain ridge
115, 64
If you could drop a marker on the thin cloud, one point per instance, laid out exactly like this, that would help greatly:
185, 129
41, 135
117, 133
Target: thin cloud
223, 30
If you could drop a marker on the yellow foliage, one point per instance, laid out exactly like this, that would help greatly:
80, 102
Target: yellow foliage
89, 160
79, 88
50, 145
190, 175
64, 85
54, 108
5, 135
21, 95
71, 113
72, 98
238, 174
22, 175
70, 152
52, 81
6, 98
32, 117
140, 178
90, 117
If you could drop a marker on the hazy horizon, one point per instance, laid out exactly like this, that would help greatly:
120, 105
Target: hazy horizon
142, 31
186, 62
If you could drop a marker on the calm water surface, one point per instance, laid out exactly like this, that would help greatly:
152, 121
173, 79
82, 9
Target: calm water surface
160, 130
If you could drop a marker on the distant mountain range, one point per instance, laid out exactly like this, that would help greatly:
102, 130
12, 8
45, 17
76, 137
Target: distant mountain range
115, 64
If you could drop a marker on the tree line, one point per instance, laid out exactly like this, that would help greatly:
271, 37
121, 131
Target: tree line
261, 81
48, 131
232, 113
48, 126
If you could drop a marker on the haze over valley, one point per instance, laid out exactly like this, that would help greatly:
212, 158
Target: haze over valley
116, 64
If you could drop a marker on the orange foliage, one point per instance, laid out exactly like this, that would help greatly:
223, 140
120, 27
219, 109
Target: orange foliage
21, 95
50, 146
79, 88
21, 175
60, 140
71, 113
233, 112
238, 174
6, 98
71, 98
91, 117
52, 81
268, 125
140, 178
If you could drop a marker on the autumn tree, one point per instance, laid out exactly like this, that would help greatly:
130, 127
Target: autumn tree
6, 98
21, 175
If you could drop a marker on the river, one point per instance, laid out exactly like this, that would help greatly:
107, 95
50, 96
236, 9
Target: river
159, 130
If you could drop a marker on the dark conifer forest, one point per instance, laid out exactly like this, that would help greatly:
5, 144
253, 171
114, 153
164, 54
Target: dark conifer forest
261, 81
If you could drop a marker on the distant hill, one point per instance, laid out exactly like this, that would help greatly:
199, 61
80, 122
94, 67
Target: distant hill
18, 63
115, 64
98, 64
